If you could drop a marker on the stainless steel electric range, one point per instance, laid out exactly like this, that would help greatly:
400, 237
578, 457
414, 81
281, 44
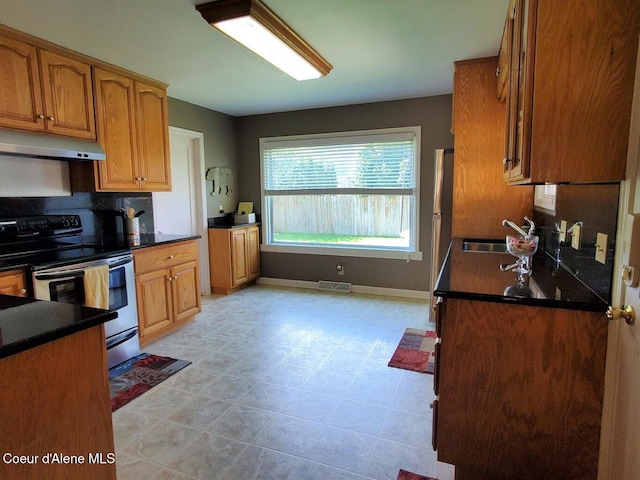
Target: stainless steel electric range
56, 256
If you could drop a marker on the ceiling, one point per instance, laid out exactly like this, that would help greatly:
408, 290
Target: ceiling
380, 49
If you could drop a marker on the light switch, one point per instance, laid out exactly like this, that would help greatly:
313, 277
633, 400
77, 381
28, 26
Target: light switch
562, 234
575, 237
602, 245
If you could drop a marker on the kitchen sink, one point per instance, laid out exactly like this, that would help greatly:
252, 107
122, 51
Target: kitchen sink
484, 246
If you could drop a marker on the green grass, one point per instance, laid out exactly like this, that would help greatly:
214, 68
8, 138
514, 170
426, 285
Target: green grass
325, 238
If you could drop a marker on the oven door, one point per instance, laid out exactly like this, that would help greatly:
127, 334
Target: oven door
66, 284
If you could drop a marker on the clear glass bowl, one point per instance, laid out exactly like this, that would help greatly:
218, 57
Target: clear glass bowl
520, 246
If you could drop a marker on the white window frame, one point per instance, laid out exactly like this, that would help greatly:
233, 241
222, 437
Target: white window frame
412, 253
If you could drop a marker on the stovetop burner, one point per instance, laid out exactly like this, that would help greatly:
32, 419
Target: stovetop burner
49, 239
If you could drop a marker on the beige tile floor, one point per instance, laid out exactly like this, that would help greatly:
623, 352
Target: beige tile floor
284, 384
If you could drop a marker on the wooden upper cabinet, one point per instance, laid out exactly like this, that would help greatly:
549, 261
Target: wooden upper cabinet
504, 58
68, 96
153, 137
570, 89
21, 99
481, 200
44, 91
133, 129
115, 113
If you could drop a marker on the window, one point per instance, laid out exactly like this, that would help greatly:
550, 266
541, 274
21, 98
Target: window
352, 193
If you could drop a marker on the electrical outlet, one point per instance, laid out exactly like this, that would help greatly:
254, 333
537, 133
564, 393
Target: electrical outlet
602, 245
220, 209
340, 269
562, 234
575, 237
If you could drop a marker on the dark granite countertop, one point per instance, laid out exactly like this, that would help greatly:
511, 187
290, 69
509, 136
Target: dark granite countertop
26, 323
226, 221
477, 276
240, 225
98, 247
146, 240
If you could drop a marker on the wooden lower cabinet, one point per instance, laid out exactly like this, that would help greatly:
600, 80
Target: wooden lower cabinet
167, 287
55, 400
520, 391
13, 283
234, 256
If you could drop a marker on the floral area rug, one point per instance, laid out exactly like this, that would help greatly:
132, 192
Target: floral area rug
416, 351
404, 475
140, 374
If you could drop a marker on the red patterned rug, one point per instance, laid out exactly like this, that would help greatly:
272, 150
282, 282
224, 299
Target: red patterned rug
415, 351
140, 374
404, 475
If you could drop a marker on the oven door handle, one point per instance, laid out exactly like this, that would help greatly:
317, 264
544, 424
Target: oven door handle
119, 341
56, 274
59, 276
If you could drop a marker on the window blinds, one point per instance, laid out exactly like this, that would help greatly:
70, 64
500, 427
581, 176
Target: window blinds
375, 163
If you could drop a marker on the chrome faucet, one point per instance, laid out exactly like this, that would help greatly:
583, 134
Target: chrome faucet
532, 226
509, 223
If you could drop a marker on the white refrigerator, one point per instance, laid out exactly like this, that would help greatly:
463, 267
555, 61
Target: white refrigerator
442, 209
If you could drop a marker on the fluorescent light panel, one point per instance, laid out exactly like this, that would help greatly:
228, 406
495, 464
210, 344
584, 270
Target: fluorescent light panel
261, 41
252, 24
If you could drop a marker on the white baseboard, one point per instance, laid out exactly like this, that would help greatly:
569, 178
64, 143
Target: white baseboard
390, 292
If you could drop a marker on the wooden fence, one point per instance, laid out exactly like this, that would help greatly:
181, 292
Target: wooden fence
362, 215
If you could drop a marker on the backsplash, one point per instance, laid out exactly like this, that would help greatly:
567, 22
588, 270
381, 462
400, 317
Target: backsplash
98, 211
596, 207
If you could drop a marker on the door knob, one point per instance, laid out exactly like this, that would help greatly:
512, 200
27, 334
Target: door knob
627, 312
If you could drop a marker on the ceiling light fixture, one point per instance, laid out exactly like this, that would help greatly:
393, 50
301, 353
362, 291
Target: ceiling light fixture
254, 25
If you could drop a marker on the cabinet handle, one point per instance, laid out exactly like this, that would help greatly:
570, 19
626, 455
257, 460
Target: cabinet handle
51, 118
175, 277
23, 290
41, 116
170, 257
498, 71
170, 279
144, 179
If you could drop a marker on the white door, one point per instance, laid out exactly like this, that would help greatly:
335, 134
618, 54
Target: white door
183, 209
620, 443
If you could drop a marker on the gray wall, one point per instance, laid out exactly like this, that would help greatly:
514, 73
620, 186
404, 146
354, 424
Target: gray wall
433, 114
219, 132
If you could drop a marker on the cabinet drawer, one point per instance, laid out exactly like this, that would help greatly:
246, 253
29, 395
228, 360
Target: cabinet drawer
164, 256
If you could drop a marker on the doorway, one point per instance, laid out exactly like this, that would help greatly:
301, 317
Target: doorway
183, 210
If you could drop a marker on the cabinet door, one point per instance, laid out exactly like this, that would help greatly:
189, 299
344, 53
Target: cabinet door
153, 293
239, 256
253, 252
13, 283
186, 290
21, 97
115, 109
68, 96
521, 389
519, 97
153, 138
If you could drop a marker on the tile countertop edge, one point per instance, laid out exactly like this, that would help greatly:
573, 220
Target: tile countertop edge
481, 265
65, 319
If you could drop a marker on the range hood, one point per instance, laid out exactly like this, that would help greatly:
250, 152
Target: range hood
40, 145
